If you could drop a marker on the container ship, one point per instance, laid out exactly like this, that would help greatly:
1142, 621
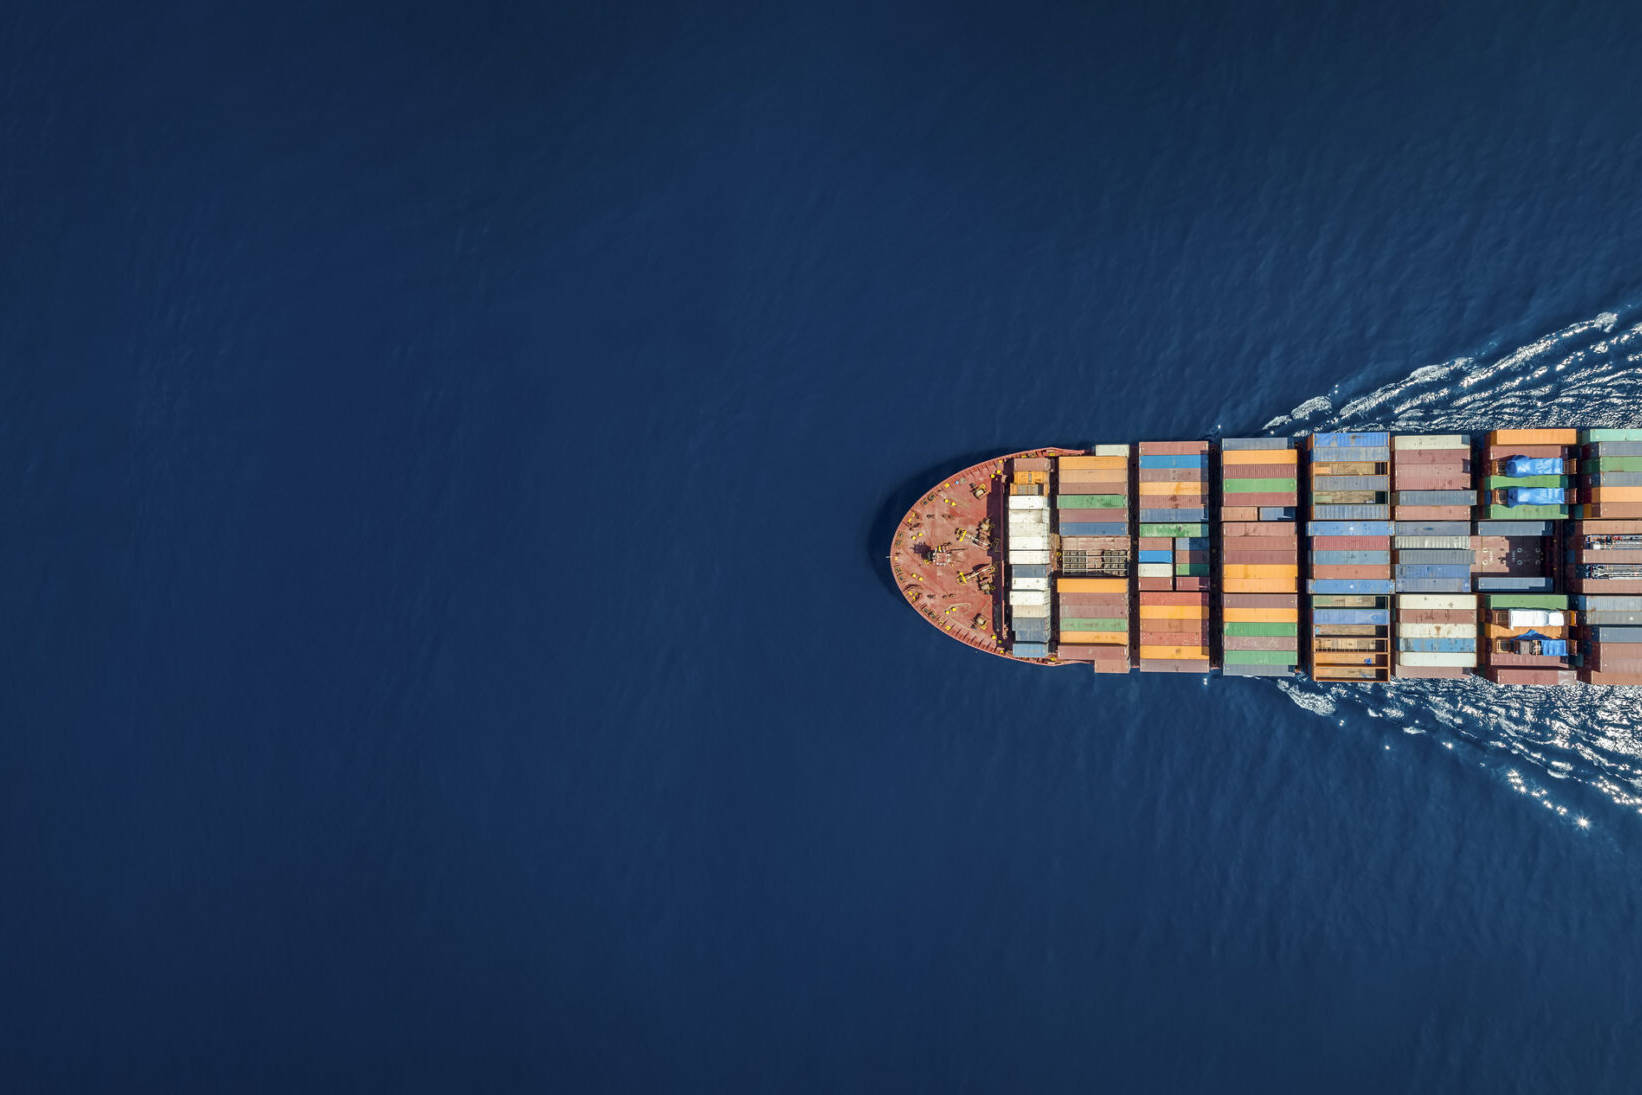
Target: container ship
1349, 557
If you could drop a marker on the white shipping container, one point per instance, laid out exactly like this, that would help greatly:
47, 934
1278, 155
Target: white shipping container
1533, 617
1030, 516
1437, 631
1028, 501
1111, 450
1023, 557
1452, 661
1028, 597
1029, 612
1029, 528
1451, 601
1030, 583
1425, 442
1155, 570
1036, 541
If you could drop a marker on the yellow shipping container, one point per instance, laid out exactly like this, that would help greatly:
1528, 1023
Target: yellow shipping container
1175, 653
1616, 494
1092, 585
1031, 477
1171, 488
1096, 638
1259, 456
1261, 615
1534, 437
1174, 612
1262, 570
1090, 463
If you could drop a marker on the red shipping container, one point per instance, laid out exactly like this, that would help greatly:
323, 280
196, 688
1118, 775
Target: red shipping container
1173, 448
1174, 599
1496, 453
1170, 475
1351, 543
1154, 583
1236, 557
1261, 529
1193, 583
1430, 672
1260, 600
1155, 543
1532, 676
1286, 498
1079, 652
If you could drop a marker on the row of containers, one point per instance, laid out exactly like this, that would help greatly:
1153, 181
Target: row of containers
1028, 556
1606, 556
1436, 568
1173, 576
1350, 556
1095, 558
1259, 556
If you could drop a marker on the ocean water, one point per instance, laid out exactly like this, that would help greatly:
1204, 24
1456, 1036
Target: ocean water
450, 457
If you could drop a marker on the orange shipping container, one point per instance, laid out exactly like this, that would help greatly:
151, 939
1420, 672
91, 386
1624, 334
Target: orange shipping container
1092, 585
1239, 513
1260, 615
1258, 570
1616, 494
1175, 653
1258, 585
1174, 612
1171, 488
1534, 437
1259, 456
1091, 463
1119, 475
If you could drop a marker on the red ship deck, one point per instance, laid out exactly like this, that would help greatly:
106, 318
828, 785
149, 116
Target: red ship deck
948, 566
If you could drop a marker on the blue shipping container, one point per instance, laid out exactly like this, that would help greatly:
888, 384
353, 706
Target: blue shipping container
1351, 513
1519, 466
1618, 634
1377, 616
1351, 558
1353, 585
1439, 646
1433, 585
1489, 583
1030, 650
1165, 461
1191, 543
1152, 555
1348, 528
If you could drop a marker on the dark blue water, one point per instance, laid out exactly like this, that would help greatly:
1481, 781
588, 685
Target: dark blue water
449, 455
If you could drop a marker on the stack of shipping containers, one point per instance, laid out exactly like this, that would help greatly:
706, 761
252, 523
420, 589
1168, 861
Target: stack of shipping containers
1095, 555
1027, 544
1260, 556
1174, 556
1432, 555
1523, 498
1607, 556
1351, 531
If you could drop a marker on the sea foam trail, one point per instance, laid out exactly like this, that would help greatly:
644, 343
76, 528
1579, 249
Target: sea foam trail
1587, 374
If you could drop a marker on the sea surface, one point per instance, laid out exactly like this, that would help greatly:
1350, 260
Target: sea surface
449, 458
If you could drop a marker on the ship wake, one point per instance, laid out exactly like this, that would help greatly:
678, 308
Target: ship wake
1586, 374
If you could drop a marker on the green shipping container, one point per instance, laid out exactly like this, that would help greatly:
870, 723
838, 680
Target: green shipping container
1499, 482
1527, 600
1089, 501
1251, 630
1260, 657
1090, 623
1191, 570
1174, 530
1528, 513
1612, 463
1259, 486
